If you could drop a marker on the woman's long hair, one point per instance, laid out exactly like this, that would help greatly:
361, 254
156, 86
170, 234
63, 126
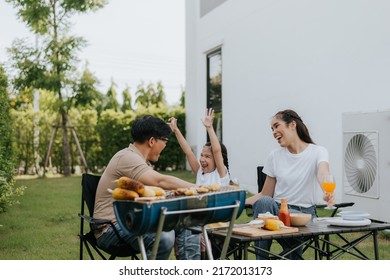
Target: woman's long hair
288, 116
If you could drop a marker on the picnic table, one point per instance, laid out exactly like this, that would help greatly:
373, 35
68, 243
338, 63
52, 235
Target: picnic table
317, 235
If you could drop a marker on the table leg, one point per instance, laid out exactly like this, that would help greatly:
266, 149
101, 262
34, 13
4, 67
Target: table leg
327, 246
142, 247
209, 250
245, 251
375, 238
230, 230
158, 232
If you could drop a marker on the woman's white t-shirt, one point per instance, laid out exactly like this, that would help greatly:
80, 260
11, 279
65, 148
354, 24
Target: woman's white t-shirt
212, 178
296, 174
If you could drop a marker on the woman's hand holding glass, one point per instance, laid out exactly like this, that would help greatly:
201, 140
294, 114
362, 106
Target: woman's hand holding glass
328, 185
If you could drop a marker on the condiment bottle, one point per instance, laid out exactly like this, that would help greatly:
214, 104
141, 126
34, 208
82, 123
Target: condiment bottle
284, 213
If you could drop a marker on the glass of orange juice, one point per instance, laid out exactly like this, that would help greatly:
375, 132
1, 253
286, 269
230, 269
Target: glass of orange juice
328, 185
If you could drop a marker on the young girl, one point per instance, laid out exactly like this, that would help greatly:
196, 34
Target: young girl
212, 167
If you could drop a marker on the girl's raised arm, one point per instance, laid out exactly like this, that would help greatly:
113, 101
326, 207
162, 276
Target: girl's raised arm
215, 145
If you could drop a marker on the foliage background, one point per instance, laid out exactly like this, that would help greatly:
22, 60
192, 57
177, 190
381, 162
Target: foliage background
8, 192
101, 135
61, 122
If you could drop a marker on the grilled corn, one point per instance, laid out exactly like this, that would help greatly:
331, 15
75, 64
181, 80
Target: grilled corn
130, 184
123, 194
272, 224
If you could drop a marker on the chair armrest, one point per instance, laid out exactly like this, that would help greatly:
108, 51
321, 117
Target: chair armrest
337, 205
94, 220
344, 204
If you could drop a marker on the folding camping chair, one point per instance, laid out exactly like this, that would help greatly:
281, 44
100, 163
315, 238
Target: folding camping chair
89, 185
260, 183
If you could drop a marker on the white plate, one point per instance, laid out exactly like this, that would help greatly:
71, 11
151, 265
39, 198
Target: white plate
354, 215
339, 221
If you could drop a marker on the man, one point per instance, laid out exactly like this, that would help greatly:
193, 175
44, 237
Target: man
150, 137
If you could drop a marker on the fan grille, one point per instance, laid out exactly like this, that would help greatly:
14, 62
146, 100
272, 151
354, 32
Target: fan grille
360, 163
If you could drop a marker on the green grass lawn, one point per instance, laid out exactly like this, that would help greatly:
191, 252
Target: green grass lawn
45, 225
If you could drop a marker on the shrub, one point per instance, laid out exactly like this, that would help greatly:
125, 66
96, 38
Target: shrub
8, 191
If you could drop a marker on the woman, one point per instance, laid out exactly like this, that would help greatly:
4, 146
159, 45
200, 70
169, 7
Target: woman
294, 171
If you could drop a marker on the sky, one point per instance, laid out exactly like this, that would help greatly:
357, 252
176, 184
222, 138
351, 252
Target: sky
129, 41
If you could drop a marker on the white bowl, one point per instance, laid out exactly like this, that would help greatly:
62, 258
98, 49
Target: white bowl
299, 219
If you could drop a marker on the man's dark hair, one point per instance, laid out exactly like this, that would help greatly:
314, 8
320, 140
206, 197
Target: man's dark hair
148, 126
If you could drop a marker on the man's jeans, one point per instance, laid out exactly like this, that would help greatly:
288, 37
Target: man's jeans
164, 249
187, 245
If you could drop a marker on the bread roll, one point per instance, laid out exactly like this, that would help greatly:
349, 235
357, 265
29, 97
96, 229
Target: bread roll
202, 190
265, 216
148, 192
158, 191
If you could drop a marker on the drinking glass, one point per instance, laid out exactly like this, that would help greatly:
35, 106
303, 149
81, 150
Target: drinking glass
328, 185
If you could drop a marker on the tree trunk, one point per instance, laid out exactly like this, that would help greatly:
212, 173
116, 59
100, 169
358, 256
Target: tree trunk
66, 145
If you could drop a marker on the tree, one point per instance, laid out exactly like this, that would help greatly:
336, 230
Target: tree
24, 137
126, 106
8, 192
159, 95
51, 67
151, 95
114, 133
182, 101
87, 95
143, 95
112, 102
6, 155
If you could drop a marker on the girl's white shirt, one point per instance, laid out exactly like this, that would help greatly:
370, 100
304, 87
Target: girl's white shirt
212, 178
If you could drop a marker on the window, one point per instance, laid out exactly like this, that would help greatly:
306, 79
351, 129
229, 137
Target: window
214, 88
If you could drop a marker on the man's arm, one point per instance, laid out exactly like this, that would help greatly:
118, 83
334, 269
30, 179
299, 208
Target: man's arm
167, 182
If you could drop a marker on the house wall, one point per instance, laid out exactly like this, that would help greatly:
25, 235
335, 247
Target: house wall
320, 58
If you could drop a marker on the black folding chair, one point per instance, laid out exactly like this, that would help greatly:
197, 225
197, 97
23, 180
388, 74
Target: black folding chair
260, 178
260, 183
89, 185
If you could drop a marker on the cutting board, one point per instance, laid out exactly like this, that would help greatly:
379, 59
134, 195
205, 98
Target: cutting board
255, 231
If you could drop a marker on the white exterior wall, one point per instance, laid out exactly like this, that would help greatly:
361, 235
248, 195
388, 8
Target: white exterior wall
320, 58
